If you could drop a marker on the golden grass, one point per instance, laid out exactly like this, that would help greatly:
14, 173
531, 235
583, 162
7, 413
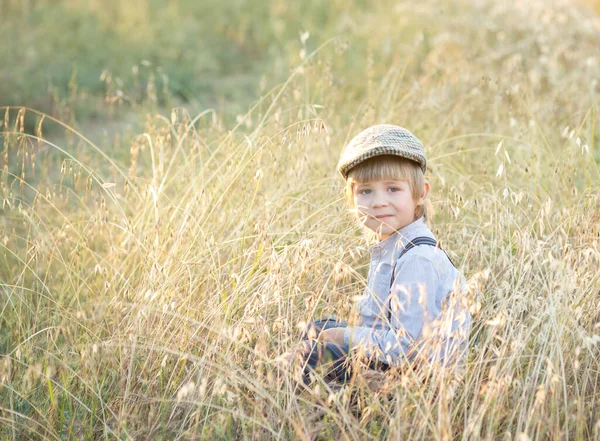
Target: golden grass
149, 299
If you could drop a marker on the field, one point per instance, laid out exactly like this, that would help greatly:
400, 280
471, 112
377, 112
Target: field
171, 214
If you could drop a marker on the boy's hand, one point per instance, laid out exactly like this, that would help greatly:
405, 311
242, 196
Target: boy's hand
333, 335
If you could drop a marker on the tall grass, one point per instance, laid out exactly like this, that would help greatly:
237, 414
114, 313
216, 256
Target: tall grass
149, 297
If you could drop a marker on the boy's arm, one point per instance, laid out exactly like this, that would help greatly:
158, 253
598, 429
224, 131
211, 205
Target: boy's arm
413, 301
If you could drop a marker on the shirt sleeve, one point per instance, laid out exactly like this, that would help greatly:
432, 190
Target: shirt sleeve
412, 303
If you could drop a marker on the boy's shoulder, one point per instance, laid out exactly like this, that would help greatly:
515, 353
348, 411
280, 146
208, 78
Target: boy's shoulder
428, 255
422, 252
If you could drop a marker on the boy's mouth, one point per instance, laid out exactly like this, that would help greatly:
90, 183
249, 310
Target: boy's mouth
383, 216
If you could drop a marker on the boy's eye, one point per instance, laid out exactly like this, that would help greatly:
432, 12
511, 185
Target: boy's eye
364, 191
393, 189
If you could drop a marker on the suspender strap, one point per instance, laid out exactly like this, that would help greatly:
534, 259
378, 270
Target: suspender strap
421, 240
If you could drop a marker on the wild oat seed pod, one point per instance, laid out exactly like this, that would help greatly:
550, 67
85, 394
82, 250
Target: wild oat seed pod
382, 139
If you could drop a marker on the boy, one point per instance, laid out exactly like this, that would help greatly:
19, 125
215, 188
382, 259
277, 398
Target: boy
414, 304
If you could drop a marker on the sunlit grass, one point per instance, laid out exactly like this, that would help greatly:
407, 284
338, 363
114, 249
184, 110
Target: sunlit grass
147, 287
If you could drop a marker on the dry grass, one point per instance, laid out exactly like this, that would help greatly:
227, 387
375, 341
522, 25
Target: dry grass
150, 299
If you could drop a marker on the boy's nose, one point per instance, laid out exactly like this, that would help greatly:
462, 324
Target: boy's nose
379, 200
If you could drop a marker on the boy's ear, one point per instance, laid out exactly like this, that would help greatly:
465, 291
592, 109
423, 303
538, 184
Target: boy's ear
425, 193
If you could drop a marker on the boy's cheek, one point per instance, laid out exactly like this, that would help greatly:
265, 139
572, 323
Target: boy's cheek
362, 216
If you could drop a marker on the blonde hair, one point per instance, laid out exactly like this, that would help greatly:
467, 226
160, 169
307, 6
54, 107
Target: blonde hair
390, 167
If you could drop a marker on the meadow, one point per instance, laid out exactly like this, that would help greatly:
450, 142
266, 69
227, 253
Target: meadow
171, 214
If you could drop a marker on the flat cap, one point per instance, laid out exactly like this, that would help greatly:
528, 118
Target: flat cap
382, 139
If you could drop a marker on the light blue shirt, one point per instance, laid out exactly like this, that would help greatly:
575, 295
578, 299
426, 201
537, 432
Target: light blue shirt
407, 306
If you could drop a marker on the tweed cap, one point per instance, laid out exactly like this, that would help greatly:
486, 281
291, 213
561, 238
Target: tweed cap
382, 139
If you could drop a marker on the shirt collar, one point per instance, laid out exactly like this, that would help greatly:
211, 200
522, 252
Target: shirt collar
401, 237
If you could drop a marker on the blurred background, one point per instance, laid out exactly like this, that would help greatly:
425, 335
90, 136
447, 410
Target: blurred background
94, 62
171, 213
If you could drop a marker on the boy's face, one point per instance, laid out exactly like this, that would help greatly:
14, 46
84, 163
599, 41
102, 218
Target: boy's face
386, 206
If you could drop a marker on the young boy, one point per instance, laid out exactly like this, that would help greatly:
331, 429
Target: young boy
413, 308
